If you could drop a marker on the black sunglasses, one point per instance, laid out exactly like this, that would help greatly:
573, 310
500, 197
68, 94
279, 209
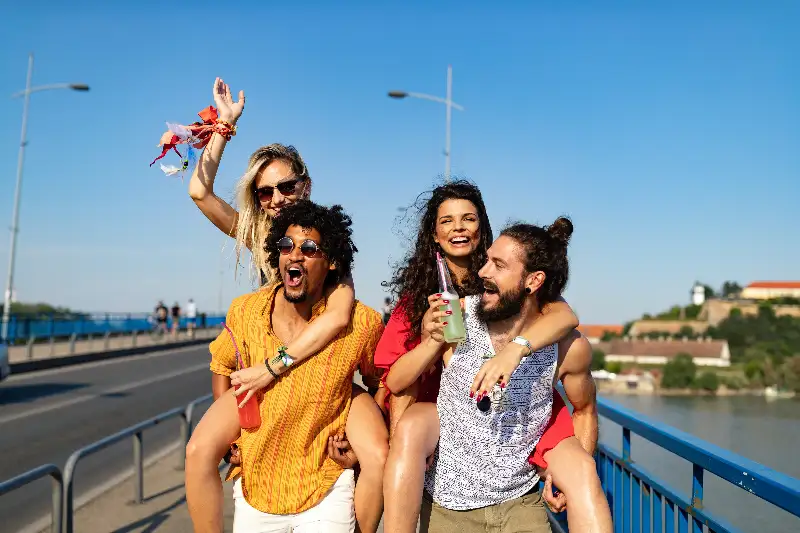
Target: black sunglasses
286, 188
308, 248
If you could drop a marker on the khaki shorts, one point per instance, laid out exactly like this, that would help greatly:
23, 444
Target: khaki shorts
525, 514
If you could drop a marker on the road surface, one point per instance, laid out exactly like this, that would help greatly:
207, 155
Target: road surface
45, 416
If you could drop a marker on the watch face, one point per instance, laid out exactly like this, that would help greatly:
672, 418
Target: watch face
523, 342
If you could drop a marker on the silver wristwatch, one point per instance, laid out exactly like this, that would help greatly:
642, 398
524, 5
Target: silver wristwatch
522, 341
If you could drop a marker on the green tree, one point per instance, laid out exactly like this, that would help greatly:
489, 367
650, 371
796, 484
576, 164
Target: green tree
707, 381
674, 313
732, 383
771, 373
790, 373
687, 331
691, 312
598, 360
614, 367
731, 289
784, 300
754, 370
33, 310
760, 336
679, 373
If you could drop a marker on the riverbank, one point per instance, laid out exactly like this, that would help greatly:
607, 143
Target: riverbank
612, 387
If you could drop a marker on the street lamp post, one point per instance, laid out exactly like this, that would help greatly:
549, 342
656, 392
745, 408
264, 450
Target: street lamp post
449, 104
18, 189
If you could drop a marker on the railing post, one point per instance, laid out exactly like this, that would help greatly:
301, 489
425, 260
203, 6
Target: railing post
184, 436
67, 507
72, 343
626, 444
138, 469
133, 338
58, 498
106, 340
29, 346
697, 496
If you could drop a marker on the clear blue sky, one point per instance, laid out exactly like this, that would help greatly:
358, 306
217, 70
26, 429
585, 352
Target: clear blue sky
670, 134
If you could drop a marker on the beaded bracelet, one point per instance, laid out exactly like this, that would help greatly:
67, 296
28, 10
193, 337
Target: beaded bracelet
274, 375
226, 129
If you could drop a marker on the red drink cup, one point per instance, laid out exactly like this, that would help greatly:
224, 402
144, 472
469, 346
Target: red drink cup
249, 415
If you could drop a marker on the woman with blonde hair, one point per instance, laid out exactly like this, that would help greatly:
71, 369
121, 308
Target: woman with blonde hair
276, 177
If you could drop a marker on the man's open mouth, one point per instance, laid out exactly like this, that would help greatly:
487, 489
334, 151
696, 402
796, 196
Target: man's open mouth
490, 288
294, 276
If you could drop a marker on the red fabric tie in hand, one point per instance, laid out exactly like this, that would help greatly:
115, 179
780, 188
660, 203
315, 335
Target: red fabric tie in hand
196, 135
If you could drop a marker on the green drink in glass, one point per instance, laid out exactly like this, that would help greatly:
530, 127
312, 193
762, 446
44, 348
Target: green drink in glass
454, 330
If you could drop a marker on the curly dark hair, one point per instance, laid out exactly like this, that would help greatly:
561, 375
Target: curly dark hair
334, 226
545, 250
415, 278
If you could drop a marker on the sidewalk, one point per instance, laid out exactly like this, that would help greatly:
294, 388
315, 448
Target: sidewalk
47, 350
163, 511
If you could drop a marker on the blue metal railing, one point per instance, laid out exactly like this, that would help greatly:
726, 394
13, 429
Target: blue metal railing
33, 475
641, 502
22, 328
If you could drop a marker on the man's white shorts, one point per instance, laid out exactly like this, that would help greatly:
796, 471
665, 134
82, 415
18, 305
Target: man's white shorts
335, 513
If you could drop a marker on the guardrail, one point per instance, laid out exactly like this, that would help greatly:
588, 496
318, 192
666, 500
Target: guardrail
21, 329
34, 475
63, 504
108, 342
641, 502
185, 413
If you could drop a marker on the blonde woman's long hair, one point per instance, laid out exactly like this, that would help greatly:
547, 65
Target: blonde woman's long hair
254, 222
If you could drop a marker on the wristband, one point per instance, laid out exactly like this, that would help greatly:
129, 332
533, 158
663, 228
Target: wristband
274, 375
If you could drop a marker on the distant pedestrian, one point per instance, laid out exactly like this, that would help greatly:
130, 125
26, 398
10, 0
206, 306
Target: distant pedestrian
176, 319
191, 317
161, 313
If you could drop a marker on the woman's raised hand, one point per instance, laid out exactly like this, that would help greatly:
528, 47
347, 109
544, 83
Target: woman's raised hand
228, 110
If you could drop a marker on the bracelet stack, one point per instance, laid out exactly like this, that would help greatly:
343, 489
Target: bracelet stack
226, 129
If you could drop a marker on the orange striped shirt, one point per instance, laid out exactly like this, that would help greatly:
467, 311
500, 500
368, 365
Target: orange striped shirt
286, 468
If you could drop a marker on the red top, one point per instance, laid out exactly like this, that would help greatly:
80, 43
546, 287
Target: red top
395, 342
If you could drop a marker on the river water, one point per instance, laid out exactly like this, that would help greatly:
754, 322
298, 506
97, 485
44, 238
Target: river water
764, 431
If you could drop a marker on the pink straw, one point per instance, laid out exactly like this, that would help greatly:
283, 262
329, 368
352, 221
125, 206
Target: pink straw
235, 346
440, 270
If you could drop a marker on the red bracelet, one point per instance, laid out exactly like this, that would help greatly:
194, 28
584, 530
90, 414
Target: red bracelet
226, 129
